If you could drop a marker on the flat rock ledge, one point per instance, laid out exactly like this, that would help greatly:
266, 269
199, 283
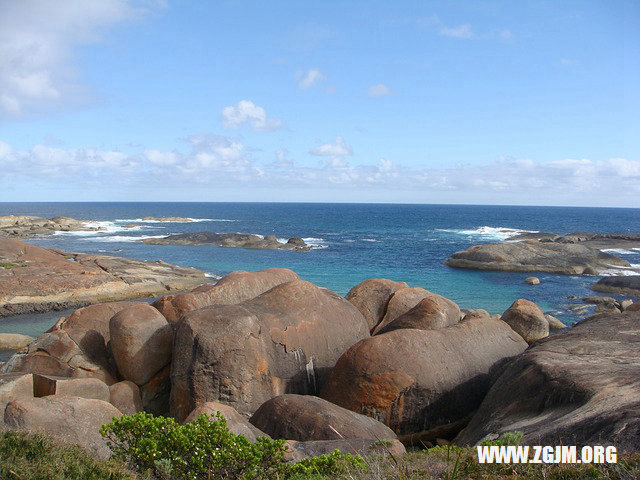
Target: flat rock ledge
573, 254
621, 284
239, 240
35, 279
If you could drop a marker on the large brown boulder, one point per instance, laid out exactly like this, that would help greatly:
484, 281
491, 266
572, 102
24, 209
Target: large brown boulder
89, 328
417, 380
579, 387
526, 318
305, 417
285, 340
12, 386
234, 288
55, 353
70, 419
141, 342
125, 396
44, 385
372, 296
431, 313
236, 423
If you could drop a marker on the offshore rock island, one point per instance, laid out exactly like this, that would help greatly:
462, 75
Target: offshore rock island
241, 240
573, 254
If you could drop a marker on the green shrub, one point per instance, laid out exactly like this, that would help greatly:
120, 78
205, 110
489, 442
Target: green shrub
329, 464
202, 449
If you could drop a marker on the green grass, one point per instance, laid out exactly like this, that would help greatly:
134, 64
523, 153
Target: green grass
36, 457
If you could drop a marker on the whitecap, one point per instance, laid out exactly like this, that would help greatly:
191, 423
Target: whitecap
123, 238
369, 240
620, 251
499, 233
189, 220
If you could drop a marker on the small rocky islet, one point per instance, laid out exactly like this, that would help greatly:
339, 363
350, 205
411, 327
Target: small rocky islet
282, 357
573, 254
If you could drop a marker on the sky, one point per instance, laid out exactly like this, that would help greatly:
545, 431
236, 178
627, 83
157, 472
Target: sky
483, 102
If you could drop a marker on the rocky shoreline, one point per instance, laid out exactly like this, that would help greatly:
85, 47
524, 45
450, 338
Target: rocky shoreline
282, 357
23, 226
573, 254
35, 279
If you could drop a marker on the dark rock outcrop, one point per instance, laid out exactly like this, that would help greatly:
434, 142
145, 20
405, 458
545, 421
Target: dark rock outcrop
283, 341
580, 387
416, 380
305, 417
241, 240
622, 284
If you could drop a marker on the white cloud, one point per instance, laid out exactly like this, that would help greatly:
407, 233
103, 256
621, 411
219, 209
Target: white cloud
311, 77
37, 43
379, 90
247, 112
336, 149
214, 161
461, 31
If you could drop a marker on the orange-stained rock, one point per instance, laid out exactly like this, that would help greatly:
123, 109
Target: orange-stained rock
285, 340
234, 288
415, 380
372, 296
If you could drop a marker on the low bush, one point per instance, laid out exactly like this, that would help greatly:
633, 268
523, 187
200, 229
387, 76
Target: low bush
205, 449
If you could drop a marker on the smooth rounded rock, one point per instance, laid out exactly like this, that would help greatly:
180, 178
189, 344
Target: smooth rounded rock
532, 280
526, 318
305, 417
141, 342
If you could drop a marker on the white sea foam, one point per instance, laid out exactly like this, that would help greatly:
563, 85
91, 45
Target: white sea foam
189, 220
499, 233
101, 228
123, 238
621, 251
370, 240
315, 243
632, 269
212, 275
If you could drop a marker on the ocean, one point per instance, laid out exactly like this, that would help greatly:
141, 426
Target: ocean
351, 242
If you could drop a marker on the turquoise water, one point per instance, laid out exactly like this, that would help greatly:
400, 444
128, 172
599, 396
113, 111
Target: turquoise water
352, 242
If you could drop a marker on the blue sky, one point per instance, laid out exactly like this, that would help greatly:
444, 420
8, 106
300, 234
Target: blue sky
419, 102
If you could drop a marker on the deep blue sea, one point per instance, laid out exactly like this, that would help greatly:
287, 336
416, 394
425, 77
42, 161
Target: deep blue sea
352, 242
